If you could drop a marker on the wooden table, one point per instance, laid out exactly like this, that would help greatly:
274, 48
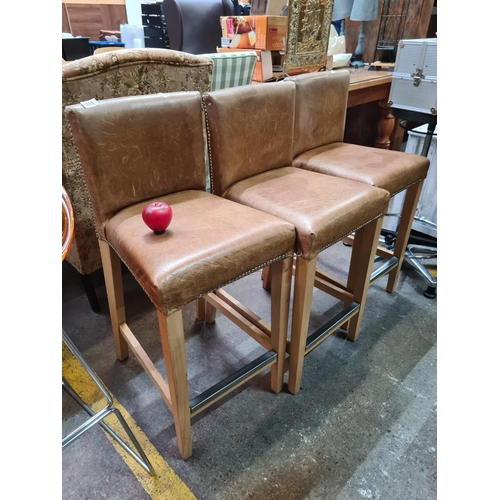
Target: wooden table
369, 121
374, 86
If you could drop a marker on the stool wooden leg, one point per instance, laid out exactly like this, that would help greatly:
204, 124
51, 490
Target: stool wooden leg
305, 272
281, 275
174, 352
210, 312
114, 289
362, 258
404, 229
266, 278
200, 309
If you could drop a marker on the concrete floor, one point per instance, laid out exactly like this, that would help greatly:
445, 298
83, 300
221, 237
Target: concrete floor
362, 426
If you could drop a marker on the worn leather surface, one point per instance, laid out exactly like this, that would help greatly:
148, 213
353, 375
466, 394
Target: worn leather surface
320, 112
393, 171
130, 154
322, 208
249, 130
209, 243
320, 109
142, 149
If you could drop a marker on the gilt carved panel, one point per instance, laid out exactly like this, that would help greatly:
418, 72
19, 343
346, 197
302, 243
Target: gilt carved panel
309, 24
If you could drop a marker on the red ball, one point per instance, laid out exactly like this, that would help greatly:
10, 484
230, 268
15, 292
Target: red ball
157, 216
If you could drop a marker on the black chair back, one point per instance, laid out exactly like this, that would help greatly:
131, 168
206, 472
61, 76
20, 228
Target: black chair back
193, 26
76, 48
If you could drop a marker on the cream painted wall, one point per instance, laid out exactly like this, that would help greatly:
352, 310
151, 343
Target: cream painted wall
134, 13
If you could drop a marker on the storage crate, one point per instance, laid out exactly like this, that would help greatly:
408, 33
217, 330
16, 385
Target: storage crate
414, 80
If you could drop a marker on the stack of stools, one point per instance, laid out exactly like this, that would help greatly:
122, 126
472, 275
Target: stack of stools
149, 149
320, 112
265, 208
252, 165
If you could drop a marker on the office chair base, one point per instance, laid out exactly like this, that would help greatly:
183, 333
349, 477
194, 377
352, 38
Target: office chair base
414, 260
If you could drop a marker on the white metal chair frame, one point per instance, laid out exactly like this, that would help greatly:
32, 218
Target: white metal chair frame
98, 417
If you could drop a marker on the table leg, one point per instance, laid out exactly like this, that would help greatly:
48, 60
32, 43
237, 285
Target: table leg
385, 126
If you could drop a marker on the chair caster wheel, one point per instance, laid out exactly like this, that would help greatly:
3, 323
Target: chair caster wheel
430, 293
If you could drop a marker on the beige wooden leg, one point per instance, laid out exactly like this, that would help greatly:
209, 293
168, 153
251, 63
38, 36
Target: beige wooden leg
404, 229
114, 290
360, 270
210, 313
281, 275
302, 299
266, 278
200, 309
174, 352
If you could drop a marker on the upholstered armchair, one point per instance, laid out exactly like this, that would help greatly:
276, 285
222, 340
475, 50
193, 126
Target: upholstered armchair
115, 74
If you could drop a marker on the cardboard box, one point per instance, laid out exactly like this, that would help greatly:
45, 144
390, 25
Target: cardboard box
254, 32
278, 59
264, 66
268, 7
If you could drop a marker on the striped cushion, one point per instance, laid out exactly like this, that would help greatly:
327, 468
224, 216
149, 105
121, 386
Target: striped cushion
232, 69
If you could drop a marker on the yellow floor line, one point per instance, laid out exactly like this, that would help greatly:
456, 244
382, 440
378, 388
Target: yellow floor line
166, 485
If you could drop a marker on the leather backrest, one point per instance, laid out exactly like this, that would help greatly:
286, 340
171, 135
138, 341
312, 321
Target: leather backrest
320, 109
116, 74
193, 26
249, 131
137, 148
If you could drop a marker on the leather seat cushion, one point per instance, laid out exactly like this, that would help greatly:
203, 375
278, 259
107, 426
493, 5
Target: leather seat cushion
393, 171
209, 243
322, 208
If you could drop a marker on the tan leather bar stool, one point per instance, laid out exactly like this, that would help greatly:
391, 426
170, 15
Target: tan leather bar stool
250, 132
320, 113
144, 149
